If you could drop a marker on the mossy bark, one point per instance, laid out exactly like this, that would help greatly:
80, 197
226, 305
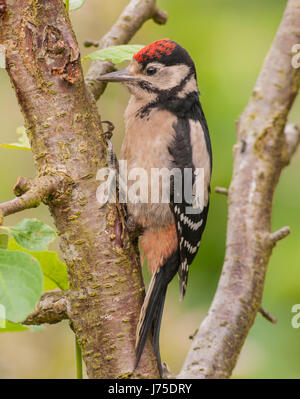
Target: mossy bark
106, 287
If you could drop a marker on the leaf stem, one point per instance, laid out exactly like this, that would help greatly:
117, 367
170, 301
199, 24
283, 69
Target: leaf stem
68, 6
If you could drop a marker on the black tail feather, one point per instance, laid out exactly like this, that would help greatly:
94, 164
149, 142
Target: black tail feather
152, 309
156, 330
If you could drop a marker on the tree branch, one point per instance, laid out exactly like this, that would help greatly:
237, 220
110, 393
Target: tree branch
292, 141
52, 308
132, 18
258, 162
267, 315
35, 191
221, 190
279, 234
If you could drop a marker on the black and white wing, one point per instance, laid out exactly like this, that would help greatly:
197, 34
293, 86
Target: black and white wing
191, 152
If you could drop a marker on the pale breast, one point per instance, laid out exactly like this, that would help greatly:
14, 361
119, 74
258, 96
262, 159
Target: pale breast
145, 147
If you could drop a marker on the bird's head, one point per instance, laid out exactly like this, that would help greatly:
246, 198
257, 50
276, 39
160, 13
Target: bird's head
161, 67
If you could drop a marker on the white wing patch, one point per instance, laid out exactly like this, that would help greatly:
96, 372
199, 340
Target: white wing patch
201, 158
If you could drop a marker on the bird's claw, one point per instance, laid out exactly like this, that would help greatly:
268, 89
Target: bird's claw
109, 132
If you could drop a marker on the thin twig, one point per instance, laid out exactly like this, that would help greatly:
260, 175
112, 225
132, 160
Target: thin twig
280, 234
160, 16
192, 336
90, 43
267, 315
221, 190
130, 21
31, 194
51, 309
23, 184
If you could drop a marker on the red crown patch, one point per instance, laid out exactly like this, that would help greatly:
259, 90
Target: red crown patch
155, 50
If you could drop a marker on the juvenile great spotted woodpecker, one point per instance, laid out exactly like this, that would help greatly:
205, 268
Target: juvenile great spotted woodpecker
165, 128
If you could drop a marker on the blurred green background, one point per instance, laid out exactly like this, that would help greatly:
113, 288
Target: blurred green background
228, 41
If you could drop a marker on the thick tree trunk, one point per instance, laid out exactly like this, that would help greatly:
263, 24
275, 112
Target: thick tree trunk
106, 293
106, 288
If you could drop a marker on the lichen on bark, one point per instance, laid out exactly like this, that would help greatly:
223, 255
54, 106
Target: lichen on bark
64, 128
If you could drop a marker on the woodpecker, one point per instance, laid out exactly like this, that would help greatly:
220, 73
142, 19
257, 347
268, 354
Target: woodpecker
165, 128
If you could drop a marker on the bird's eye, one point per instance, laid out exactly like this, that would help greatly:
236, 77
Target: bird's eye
151, 71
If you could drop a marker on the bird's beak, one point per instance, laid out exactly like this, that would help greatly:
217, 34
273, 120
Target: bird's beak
118, 76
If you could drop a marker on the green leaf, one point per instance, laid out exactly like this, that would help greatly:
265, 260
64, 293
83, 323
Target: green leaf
12, 327
2, 56
55, 271
33, 234
18, 327
75, 4
3, 241
23, 142
21, 284
115, 54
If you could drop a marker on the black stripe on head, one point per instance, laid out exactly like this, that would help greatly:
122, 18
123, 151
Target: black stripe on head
148, 87
165, 98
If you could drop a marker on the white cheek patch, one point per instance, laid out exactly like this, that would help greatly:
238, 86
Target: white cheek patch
167, 77
190, 86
